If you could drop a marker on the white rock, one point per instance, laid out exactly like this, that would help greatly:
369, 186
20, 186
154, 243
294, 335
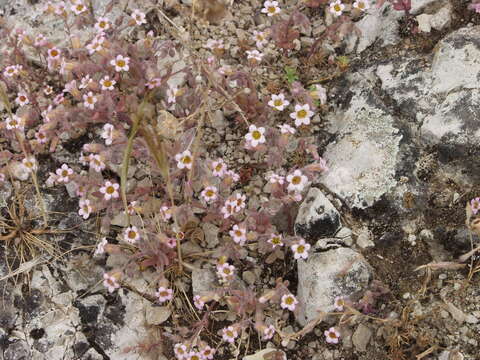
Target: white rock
361, 337
424, 22
203, 281
326, 275
156, 315
366, 152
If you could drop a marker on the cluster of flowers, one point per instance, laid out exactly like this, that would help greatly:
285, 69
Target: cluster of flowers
93, 92
336, 7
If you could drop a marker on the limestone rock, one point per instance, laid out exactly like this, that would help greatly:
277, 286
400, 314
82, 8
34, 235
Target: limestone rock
326, 275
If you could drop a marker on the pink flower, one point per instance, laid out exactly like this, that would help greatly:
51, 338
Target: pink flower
268, 332
84, 208
198, 302
139, 17
163, 294
288, 302
184, 160
210, 193
156, 82
361, 4
339, 303
110, 282
297, 181
101, 247
475, 205
107, 134
332, 336
12, 70
180, 351
228, 209
255, 135
270, 8
229, 334
22, 99
78, 7
207, 353
275, 240
107, 83
278, 102
120, 63
254, 55
102, 24
166, 213
286, 129
276, 179
336, 7
131, 234
239, 201
110, 190
225, 271
95, 162
302, 114
14, 122
64, 173
30, 164
54, 53
41, 137
300, 250
239, 234
89, 100
219, 168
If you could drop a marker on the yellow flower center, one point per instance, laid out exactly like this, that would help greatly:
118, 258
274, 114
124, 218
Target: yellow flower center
64, 173
163, 293
53, 53
110, 190
229, 333
302, 113
107, 83
296, 180
278, 102
238, 233
186, 159
80, 7
132, 234
289, 300
271, 9
361, 5
276, 240
337, 7
256, 134
102, 24
332, 335
300, 249
13, 123
209, 193
227, 271
23, 98
11, 71
218, 167
121, 63
90, 100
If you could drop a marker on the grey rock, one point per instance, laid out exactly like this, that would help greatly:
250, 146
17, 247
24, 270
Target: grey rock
211, 234
326, 275
317, 217
156, 315
203, 281
367, 150
361, 337
364, 240
19, 350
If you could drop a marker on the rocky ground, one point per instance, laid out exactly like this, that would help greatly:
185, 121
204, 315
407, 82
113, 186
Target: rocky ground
401, 137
